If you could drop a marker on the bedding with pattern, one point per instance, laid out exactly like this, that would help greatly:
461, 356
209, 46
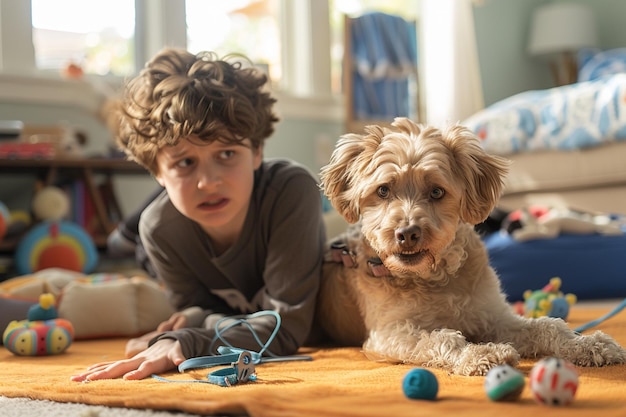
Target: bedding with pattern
581, 115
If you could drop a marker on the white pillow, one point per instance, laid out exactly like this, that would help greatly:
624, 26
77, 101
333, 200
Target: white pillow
118, 308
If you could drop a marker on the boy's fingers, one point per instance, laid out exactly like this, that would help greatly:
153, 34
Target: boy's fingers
180, 323
176, 354
101, 365
115, 370
148, 368
90, 371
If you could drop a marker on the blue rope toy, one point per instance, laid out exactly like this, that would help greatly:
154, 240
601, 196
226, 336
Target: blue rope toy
242, 362
607, 316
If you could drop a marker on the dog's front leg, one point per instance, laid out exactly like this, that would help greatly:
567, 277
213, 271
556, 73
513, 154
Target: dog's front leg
444, 348
547, 336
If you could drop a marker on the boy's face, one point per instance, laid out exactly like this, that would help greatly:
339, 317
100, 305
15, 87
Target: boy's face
210, 184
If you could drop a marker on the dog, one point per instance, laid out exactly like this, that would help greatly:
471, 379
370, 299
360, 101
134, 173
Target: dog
410, 279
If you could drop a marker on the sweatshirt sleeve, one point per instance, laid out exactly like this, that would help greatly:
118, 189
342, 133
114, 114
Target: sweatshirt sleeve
198, 341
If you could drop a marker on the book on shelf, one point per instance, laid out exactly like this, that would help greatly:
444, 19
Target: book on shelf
83, 208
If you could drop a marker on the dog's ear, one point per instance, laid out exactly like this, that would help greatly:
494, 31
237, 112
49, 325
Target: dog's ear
347, 165
336, 177
482, 174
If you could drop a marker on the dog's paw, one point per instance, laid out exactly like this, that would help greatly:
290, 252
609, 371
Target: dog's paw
478, 359
596, 349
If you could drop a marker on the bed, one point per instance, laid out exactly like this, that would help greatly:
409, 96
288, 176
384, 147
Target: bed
568, 143
567, 146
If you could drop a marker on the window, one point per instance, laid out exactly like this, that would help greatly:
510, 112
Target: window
116, 37
105, 40
408, 9
237, 26
98, 36
287, 37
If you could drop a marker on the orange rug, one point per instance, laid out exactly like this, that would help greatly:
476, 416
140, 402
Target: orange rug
338, 382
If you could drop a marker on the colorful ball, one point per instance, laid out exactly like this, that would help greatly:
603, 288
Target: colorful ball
420, 384
554, 381
504, 383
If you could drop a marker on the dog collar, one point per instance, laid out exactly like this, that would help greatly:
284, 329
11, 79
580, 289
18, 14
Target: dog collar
241, 370
344, 255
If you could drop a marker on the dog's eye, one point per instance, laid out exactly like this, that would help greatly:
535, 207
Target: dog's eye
383, 191
437, 193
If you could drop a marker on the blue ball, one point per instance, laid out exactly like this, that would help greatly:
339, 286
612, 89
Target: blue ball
420, 384
560, 308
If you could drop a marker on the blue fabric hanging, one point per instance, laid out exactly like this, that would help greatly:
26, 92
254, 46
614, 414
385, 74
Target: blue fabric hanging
384, 51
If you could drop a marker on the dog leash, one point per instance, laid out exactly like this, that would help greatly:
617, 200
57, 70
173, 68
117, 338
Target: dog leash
607, 316
241, 369
242, 362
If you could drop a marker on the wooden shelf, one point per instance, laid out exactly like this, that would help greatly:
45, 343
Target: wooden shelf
111, 165
85, 169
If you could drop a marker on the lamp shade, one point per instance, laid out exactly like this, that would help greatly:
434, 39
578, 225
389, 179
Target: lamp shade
561, 27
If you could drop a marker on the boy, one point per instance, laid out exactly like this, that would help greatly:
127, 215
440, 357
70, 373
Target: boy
231, 234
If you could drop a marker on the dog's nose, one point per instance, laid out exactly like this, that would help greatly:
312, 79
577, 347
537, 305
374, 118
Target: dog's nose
409, 235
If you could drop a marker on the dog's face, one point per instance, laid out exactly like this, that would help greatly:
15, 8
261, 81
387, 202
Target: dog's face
411, 186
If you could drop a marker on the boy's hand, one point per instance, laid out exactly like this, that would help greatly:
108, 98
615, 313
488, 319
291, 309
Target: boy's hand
138, 344
175, 322
164, 355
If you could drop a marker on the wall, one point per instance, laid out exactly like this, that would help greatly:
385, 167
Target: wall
309, 142
610, 21
501, 33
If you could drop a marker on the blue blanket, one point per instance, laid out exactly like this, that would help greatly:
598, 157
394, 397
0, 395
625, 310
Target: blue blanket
570, 117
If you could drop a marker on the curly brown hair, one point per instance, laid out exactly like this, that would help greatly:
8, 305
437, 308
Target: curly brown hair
180, 95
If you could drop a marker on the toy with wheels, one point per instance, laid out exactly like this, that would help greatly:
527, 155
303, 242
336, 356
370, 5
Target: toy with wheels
41, 334
56, 244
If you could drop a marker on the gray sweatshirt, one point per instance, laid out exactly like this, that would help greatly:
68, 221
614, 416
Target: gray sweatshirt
274, 265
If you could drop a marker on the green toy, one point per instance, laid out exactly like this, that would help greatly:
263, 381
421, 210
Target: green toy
548, 301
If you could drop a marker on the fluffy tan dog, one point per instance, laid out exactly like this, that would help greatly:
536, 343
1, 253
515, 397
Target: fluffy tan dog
415, 285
